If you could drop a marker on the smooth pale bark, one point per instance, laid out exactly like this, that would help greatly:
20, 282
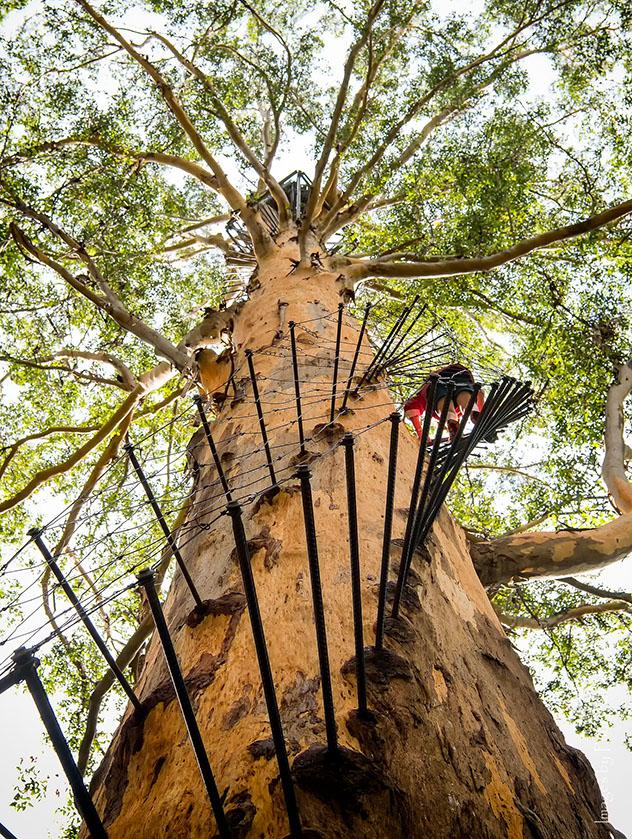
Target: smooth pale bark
537, 555
460, 744
613, 469
452, 267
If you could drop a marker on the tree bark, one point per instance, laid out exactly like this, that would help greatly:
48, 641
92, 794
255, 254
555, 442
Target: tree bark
533, 556
459, 744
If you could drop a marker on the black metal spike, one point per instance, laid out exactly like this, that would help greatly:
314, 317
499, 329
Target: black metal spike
267, 680
343, 407
383, 349
388, 528
87, 621
6, 833
146, 580
356, 585
262, 423
297, 389
211, 442
304, 475
332, 409
26, 665
407, 547
129, 448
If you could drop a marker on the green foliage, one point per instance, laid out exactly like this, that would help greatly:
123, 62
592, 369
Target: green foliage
31, 787
581, 669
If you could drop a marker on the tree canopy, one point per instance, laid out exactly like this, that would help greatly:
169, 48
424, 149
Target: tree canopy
477, 158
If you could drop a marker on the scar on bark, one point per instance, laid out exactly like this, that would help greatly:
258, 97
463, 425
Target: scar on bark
348, 780
240, 814
227, 604
239, 708
263, 541
282, 307
381, 667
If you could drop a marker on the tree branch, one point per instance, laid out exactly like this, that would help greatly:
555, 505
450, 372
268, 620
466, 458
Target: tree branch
108, 454
280, 198
105, 358
359, 269
108, 302
210, 240
529, 525
416, 108
507, 52
330, 137
539, 555
81, 375
613, 467
515, 316
260, 237
149, 381
13, 448
128, 652
510, 470
162, 158
576, 613
597, 591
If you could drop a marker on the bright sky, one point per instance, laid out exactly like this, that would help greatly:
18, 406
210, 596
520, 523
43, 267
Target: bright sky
21, 731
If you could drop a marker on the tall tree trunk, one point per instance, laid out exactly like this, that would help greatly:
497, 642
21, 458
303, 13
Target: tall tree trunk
459, 744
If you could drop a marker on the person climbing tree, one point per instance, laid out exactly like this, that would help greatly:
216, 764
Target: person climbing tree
463, 380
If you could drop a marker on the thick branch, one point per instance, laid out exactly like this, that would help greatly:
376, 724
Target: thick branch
126, 380
111, 360
613, 467
108, 454
578, 612
210, 240
110, 303
538, 555
417, 107
162, 158
261, 239
534, 555
283, 205
330, 138
13, 448
359, 270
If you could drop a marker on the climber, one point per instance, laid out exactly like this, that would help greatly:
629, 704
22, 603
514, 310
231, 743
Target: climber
463, 381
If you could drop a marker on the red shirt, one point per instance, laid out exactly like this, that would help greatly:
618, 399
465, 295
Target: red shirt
417, 404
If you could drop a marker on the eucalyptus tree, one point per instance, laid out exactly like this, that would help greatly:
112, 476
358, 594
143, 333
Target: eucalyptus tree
474, 157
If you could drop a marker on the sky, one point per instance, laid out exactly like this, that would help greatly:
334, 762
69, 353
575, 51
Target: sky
21, 731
